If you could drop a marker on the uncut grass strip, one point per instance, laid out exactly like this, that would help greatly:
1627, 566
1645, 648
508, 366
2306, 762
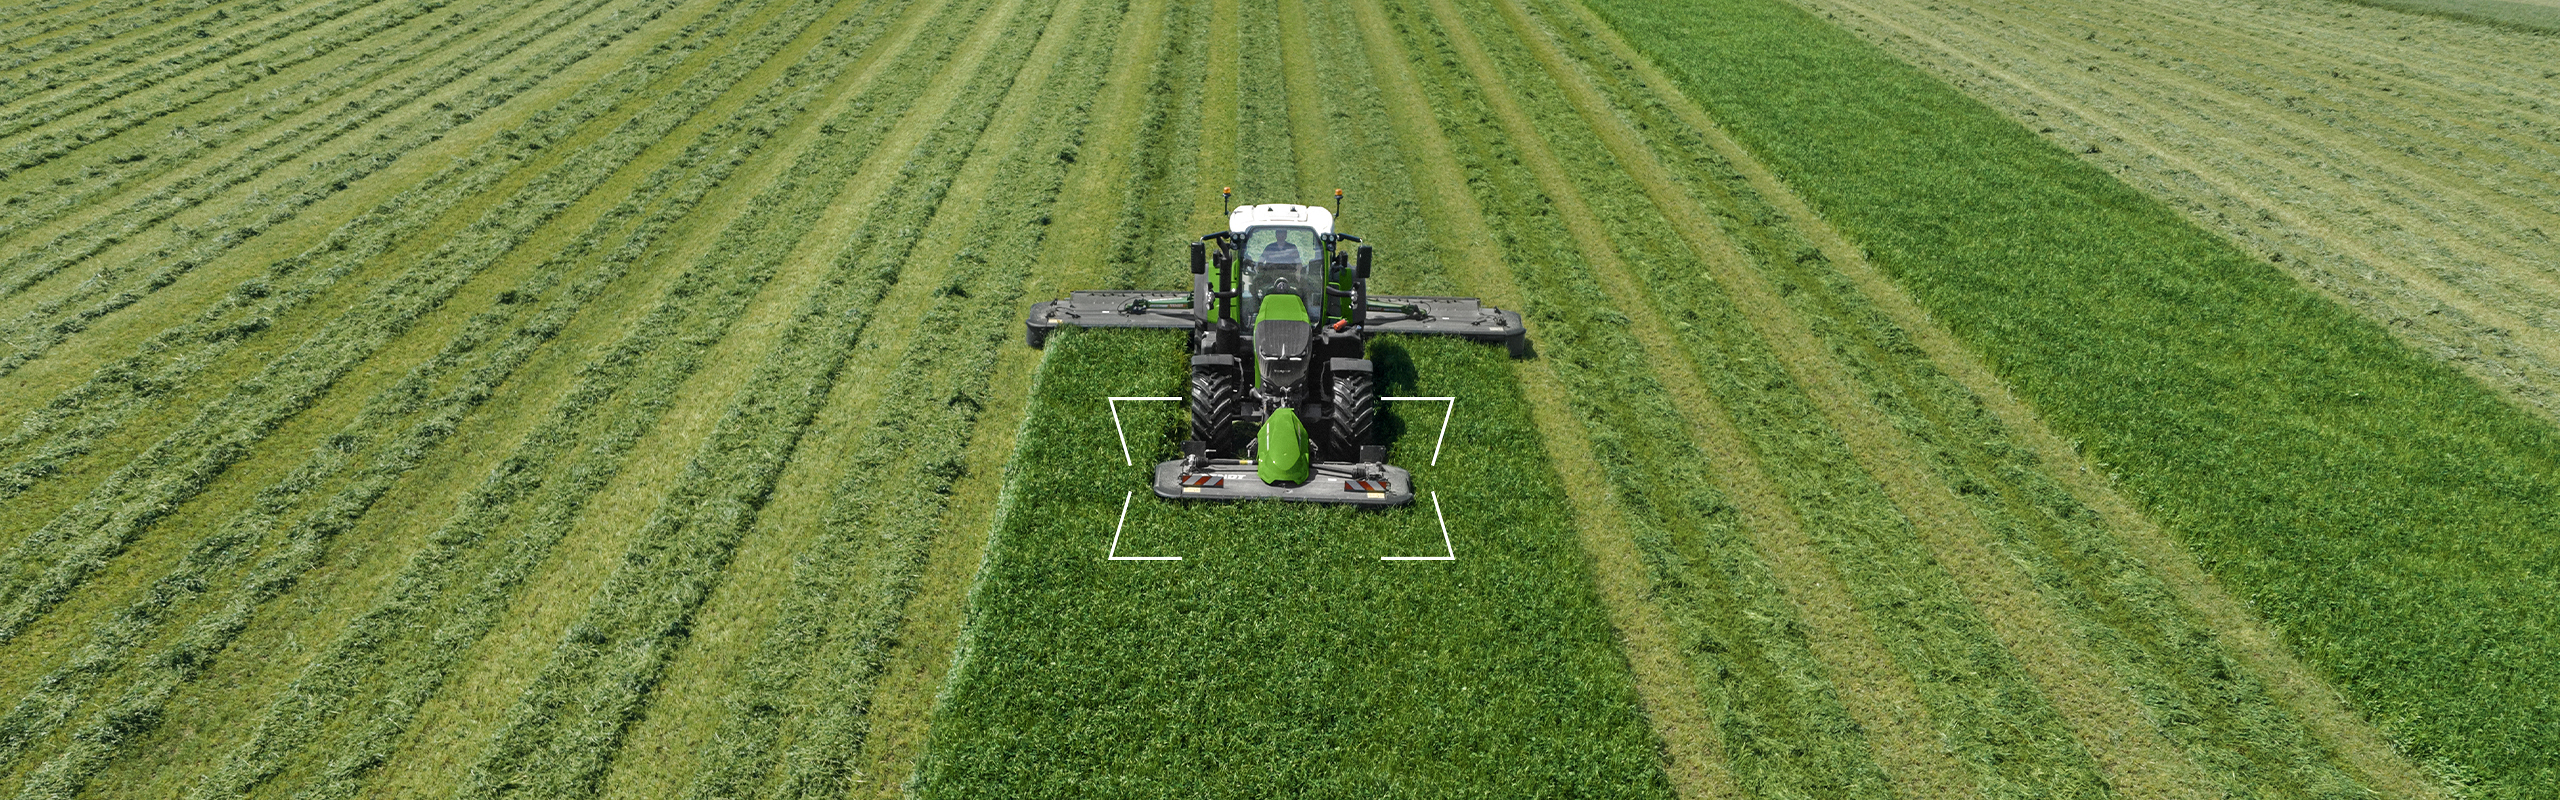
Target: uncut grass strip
1290, 660
1925, 769
1694, 748
207, 124
593, 738
2500, 328
2239, 630
2349, 611
2105, 720
118, 510
126, 278
162, 58
727, 138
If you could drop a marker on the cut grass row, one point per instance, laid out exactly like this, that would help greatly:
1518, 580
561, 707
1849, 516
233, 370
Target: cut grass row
1281, 655
2301, 451
167, 56
125, 277
311, 535
634, 606
72, 422
58, 556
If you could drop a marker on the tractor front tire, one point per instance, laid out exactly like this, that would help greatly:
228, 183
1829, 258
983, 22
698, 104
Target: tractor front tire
1217, 400
1353, 422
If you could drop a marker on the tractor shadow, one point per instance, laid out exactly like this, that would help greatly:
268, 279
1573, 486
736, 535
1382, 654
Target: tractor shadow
1392, 364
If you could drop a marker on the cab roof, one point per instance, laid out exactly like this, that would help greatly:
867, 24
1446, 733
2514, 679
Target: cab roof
1245, 218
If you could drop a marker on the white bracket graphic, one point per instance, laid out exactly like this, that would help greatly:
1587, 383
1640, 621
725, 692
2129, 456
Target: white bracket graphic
1444, 538
1125, 460
1114, 553
1444, 423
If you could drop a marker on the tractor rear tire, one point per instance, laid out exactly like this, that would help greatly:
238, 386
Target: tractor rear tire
1217, 401
1353, 422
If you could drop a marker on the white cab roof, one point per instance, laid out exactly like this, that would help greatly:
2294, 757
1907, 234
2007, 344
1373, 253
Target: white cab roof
1245, 218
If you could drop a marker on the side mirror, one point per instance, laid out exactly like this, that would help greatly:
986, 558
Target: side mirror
1360, 263
1199, 258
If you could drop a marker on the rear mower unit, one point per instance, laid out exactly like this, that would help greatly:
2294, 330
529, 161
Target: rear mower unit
1283, 401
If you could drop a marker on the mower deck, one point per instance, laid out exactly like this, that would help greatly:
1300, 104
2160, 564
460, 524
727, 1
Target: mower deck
1330, 482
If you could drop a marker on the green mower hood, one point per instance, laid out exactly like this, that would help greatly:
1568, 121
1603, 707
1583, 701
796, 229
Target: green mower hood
1282, 455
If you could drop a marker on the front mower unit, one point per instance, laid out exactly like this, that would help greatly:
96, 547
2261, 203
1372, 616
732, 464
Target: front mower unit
1374, 485
1283, 403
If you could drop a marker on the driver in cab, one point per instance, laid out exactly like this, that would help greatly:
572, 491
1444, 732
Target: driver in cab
1279, 251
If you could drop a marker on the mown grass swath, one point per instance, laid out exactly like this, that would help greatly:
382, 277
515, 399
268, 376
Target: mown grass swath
362, 462
70, 424
2367, 500
191, 128
567, 727
62, 553
121, 279
167, 57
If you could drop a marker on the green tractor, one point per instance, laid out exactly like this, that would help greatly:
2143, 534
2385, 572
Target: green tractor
1283, 401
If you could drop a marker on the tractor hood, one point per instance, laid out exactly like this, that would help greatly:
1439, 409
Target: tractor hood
1283, 341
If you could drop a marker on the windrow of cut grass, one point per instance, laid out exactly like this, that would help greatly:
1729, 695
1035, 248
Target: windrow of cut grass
73, 421
1281, 655
165, 57
29, 24
618, 652
349, 708
42, 138
365, 462
136, 248
58, 556
2364, 498
797, 713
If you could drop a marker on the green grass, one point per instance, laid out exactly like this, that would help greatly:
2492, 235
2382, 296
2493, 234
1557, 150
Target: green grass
2535, 17
2391, 516
1281, 657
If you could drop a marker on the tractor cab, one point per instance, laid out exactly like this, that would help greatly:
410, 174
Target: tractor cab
1282, 261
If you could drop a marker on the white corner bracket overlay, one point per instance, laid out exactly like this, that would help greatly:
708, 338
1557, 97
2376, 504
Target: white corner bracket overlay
1114, 552
1444, 538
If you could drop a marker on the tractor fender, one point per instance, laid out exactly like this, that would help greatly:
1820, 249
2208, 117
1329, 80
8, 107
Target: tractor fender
1213, 361
1345, 365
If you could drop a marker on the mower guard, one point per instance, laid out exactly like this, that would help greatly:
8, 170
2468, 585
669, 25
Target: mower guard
1328, 482
1428, 316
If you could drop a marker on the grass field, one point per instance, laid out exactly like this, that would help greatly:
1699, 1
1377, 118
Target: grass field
626, 398
2366, 499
